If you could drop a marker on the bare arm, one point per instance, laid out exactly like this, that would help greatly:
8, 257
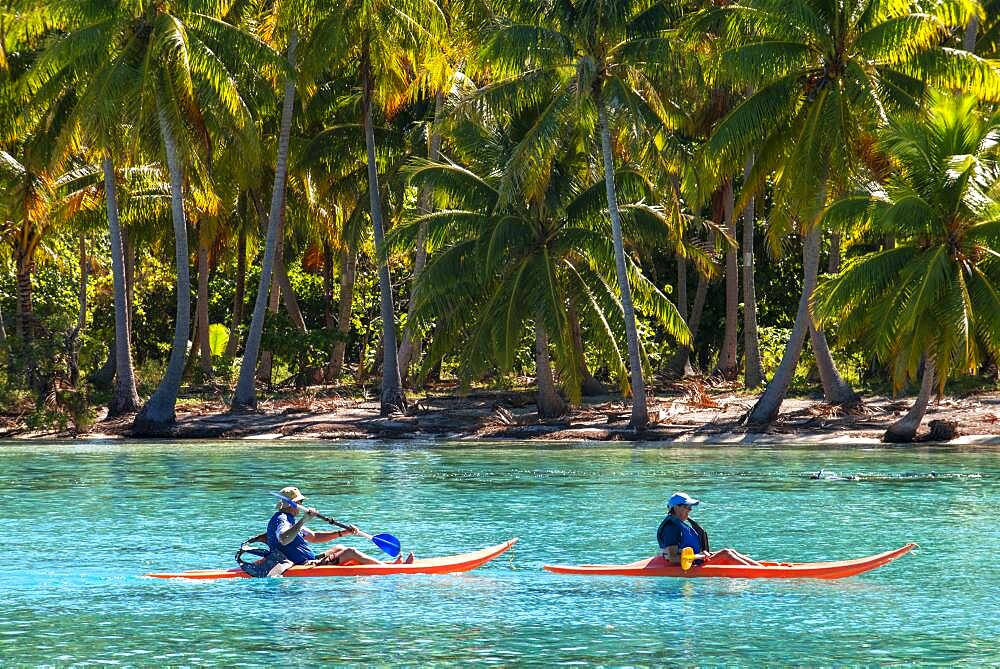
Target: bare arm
321, 537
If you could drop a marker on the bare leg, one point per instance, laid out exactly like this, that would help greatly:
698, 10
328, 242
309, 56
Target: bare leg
354, 556
341, 555
280, 568
729, 556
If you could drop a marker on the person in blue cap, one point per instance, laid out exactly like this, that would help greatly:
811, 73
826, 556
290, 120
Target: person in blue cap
679, 531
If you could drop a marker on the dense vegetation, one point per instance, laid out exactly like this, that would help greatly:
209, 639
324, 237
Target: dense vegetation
588, 192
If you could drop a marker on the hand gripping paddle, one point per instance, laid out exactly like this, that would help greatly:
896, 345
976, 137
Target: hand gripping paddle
386, 542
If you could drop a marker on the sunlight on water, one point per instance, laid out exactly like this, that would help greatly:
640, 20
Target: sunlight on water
85, 521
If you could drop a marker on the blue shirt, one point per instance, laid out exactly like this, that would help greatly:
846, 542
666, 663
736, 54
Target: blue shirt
296, 550
675, 532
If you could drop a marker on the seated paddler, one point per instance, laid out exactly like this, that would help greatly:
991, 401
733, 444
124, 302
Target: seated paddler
288, 536
679, 531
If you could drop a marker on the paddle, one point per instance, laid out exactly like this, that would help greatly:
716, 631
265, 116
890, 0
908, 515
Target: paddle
386, 542
687, 557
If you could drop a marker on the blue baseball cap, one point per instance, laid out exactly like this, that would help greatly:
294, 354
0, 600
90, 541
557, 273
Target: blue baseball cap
681, 498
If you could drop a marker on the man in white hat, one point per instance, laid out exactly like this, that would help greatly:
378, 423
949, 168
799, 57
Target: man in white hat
289, 537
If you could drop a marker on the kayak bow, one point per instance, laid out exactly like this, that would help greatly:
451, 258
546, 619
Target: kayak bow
657, 566
439, 565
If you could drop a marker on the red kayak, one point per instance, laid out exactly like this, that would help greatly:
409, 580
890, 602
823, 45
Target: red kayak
657, 566
439, 565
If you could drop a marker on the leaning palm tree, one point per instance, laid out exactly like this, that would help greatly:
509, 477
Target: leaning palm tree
381, 38
935, 297
595, 64
825, 74
245, 395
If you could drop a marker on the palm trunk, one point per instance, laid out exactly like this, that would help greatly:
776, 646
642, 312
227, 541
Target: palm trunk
549, 404
393, 399
81, 317
158, 415
287, 294
767, 406
24, 325
727, 365
264, 367
245, 396
905, 429
681, 362
348, 274
969, 39
201, 311
128, 247
835, 389
589, 386
640, 415
409, 350
103, 376
698, 306
833, 265
754, 372
328, 320
240, 295
682, 288
125, 398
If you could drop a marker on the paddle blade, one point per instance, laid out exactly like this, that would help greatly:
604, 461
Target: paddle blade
388, 544
285, 499
687, 558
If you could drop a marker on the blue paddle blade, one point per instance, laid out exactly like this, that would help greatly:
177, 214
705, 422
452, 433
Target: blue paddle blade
285, 499
388, 544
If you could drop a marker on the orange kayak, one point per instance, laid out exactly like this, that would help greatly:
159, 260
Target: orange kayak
439, 565
657, 566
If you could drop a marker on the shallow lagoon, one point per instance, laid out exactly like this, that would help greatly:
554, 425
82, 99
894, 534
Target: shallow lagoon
85, 521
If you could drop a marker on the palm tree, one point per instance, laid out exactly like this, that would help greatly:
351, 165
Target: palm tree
498, 270
125, 397
934, 297
594, 64
439, 75
29, 196
727, 365
334, 161
54, 85
824, 74
151, 69
34, 207
245, 395
753, 375
380, 37
411, 345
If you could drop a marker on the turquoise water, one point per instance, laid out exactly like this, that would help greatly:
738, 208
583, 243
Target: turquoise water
83, 522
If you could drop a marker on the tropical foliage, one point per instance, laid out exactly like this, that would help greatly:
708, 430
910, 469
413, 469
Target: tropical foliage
485, 190
933, 299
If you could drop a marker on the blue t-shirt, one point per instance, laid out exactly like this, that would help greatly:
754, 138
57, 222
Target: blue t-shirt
675, 532
296, 550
